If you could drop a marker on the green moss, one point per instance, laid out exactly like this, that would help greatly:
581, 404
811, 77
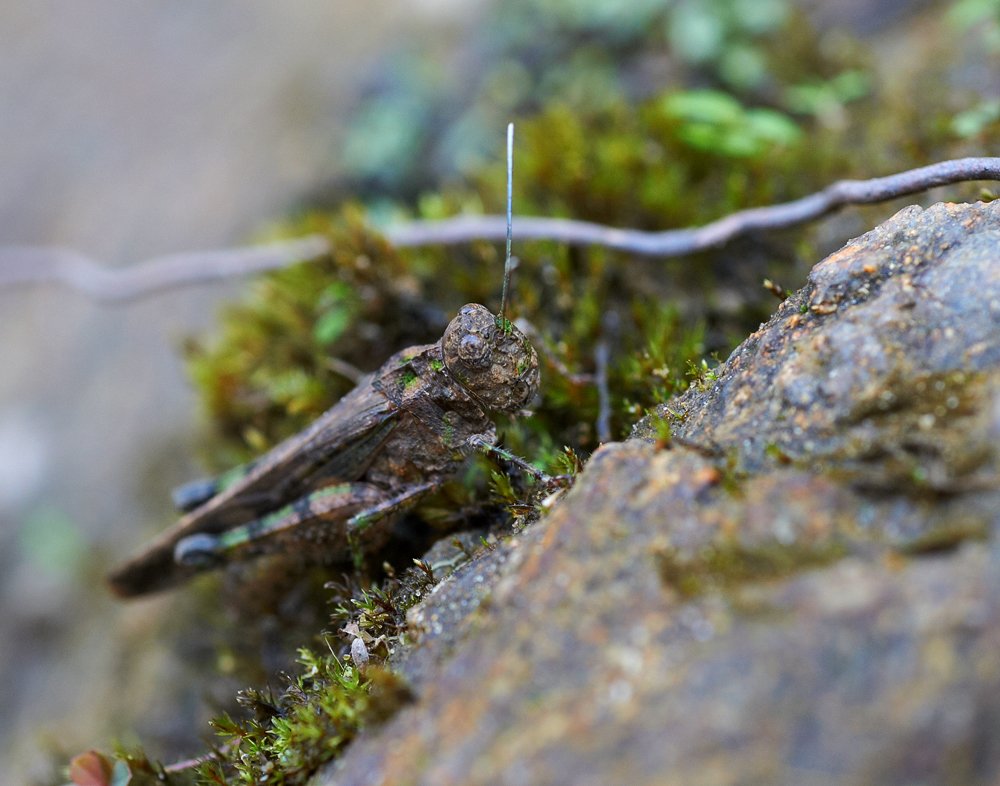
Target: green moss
948, 536
283, 739
270, 368
702, 375
379, 612
661, 429
288, 738
504, 325
677, 158
727, 564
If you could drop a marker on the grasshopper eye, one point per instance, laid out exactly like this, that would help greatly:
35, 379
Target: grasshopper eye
474, 351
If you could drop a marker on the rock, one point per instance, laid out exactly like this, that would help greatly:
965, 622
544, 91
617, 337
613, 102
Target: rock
789, 575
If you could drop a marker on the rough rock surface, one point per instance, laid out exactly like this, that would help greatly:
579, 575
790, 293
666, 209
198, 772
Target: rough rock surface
789, 575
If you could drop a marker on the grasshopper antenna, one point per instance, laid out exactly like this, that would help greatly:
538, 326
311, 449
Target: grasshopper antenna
510, 212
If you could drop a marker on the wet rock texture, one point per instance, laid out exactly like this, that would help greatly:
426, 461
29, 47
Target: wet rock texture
789, 575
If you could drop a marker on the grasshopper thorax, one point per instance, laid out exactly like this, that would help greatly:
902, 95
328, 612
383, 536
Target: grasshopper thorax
491, 358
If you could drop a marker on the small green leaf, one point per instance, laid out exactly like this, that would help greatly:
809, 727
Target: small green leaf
703, 106
331, 325
975, 120
766, 125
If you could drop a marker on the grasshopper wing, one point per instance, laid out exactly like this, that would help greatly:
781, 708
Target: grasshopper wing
338, 447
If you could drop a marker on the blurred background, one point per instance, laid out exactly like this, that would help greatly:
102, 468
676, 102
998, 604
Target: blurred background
131, 130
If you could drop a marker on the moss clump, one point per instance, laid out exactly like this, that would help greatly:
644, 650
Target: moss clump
281, 355
377, 615
288, 350
283, 740
318, 713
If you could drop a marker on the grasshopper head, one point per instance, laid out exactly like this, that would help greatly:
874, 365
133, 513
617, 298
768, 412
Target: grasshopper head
491, 358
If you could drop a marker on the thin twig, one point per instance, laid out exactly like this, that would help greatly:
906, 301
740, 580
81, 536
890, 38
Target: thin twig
677, 242
24, 265
348, 371
602, 359
190, 764
602, 425
38, 264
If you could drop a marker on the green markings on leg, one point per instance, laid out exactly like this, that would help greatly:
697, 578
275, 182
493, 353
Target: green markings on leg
232, 476
362, 520
300, 511
330, 507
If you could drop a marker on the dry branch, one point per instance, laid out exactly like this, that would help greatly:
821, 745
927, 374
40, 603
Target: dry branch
32, 265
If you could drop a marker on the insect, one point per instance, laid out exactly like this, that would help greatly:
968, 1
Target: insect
335, 486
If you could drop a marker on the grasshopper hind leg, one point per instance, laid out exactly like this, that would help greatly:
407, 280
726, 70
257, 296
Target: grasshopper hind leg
194, 493
198, 551
338, 522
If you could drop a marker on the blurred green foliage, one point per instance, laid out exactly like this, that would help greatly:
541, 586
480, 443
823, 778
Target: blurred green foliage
978, 120
980, 18
716, 122
419, 121
51, 542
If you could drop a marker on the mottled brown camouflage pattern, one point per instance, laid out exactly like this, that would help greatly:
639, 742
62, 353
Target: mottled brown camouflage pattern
401, 432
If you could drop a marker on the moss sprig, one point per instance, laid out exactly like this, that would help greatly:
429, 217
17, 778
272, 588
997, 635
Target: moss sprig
286, 739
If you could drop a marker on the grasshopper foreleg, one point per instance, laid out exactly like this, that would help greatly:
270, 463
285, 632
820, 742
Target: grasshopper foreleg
478, 443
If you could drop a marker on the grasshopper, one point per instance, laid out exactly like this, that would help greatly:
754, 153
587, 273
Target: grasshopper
335, 487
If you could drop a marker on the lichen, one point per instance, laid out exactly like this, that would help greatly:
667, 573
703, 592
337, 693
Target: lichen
729, 564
